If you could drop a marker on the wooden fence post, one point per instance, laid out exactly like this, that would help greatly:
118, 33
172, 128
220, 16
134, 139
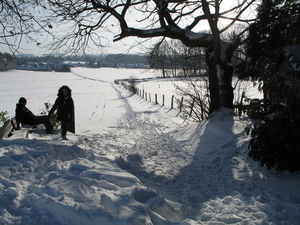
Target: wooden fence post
149, 97
181, 102
163, 100
146, 95
172, 100
156, 99
192, 106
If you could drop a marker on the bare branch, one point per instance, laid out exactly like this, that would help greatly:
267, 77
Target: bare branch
243, 9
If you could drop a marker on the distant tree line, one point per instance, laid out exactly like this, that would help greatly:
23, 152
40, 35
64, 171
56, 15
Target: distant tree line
7, 62
174, 59
110, 58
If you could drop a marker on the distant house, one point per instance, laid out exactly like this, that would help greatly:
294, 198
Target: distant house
63, 68
34, 66
287, 63
42, 66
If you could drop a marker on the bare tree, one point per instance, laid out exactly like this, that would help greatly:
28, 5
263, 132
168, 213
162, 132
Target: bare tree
175, 57
161, 57
196, 97
22, 19
176, 19
160, 18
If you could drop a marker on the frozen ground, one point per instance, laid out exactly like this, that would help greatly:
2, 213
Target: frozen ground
132, 162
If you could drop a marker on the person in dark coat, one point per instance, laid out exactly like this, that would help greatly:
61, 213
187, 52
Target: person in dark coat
25, 116
65, 109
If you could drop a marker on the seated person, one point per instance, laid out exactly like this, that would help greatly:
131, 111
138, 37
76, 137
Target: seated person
25, 116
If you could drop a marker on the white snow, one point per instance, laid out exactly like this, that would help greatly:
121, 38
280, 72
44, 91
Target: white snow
132, 162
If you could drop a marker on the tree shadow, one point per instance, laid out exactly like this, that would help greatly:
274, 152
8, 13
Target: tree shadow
206, 187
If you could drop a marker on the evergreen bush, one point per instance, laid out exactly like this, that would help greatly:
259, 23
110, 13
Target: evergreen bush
3, 116
275, 141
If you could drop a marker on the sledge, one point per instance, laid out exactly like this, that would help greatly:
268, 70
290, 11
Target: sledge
11, 125
6, 129
30, 130
15, 124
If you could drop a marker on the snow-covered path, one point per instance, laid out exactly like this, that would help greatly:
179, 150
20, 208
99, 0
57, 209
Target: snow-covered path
209, 166
133, 163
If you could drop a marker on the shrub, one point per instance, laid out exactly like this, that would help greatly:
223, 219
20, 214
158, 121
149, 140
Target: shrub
132, 84
276, 143
3, 116
53, 117
196, 98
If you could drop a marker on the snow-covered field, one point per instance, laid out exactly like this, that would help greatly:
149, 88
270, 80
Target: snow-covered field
132, 162
166, 87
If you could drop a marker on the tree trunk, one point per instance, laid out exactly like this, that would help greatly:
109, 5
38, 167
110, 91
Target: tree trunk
220, 87
163, 69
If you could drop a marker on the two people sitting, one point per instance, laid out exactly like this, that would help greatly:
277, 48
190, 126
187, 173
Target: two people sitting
64, 105
26, 117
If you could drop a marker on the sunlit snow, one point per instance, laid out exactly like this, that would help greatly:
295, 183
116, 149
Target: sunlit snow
132, 162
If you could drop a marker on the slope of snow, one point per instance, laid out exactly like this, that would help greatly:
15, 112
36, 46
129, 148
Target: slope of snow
132, 162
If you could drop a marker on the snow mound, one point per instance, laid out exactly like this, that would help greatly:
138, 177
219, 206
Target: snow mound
45, 182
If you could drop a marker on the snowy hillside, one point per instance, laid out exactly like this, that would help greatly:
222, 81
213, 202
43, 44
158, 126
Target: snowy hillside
132, 162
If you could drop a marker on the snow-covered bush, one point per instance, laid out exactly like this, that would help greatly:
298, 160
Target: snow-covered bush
275, 141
